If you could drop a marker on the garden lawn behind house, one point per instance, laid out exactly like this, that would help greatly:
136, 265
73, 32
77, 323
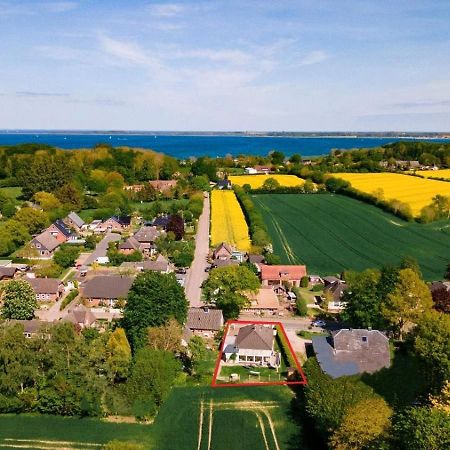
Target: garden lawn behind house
333, 233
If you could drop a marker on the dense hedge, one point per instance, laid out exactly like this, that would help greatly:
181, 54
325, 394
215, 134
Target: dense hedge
69, 297
257, 227
284, 348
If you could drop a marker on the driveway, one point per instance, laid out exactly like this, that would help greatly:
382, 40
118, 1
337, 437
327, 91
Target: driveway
196, 274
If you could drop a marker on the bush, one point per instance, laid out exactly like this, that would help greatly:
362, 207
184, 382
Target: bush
302, 306
284, 348
304, 282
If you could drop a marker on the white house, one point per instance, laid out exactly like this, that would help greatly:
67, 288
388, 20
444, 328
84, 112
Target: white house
250, 171
252, 344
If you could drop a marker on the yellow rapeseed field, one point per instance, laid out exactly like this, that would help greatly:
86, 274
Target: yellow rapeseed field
256, 181
442, 173
417, 192
227, 221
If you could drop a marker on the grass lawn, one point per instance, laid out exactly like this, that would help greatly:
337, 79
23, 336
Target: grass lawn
332, 233
12, 192
26, 430
305, 334
266, 374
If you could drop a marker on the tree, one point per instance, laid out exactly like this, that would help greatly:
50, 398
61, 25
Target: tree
364, 425
364, 305
442, 401
166, 337
66, 255
152, 376
153, 299
271, 184
118, 355
422, 428
19, 301
277, 158
47, 201
409, 262
70, 195
197, 351
176, 225
304, 282
295, 158
301, 305
200, 182
227, 288
407, 302
431, 340
33, 219
441, 299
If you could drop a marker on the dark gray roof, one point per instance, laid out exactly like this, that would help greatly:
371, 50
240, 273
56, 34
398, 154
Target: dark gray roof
30, 326
80, 315
122, 220
65, 230
47, 241
76, 219
130, 244
255, 337
255, 259
331, 279
104, 286
147, 234
348, 352
204, 319
7, 272
45, 285
336, 289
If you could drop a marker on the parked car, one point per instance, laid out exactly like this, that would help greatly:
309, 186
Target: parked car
181, 270
319, 323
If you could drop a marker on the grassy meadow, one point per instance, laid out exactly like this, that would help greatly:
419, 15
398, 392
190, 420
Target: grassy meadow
416, 192
257, 181
227, 221
332, 233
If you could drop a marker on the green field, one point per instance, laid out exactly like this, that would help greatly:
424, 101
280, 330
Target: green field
332, 233
239, 418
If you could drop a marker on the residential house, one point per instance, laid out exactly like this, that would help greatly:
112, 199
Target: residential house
45, 244
352, 351
161, 222
161, 264
222, 252
333, 293
315, 280
7, 273
163, 186
279, 275
74, 221
205, 322
252, 344
263, 169
115, 224
143, 240
61, 232
134, 188
105, 290
264, 301
81, 317
46, 289
250, 171
223, 184
31, 328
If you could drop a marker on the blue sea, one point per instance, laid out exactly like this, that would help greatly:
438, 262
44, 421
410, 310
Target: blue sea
182, 147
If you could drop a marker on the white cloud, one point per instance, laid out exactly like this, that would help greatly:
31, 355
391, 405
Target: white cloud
313, 57
224, 55
166, 9
127, 51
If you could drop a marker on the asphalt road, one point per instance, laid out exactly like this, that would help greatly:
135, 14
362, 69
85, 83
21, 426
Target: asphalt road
196, 274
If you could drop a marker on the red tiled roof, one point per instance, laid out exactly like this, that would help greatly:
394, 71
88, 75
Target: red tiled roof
282, 272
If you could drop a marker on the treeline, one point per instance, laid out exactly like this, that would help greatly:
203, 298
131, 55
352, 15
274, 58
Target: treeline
402, 407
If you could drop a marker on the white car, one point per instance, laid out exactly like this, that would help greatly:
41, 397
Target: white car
319, 323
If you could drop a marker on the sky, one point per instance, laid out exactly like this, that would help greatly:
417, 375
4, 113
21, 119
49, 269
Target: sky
285, 65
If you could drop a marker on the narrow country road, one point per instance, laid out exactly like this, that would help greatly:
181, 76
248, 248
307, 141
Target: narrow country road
196, 274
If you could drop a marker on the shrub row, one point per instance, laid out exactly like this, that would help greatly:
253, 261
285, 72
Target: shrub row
69, 297
257, 227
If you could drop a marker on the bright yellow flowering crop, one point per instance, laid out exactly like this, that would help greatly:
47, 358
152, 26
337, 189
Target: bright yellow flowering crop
227, 221
443, 173
256, 181
417, 192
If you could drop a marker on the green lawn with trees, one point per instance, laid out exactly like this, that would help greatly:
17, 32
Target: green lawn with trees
332, 233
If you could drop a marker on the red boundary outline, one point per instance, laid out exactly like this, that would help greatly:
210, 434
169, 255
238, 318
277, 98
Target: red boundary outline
280, 326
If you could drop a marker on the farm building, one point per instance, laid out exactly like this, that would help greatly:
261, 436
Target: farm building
352, 351
264, 301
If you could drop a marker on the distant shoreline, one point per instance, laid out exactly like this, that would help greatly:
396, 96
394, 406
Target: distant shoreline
252, 134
